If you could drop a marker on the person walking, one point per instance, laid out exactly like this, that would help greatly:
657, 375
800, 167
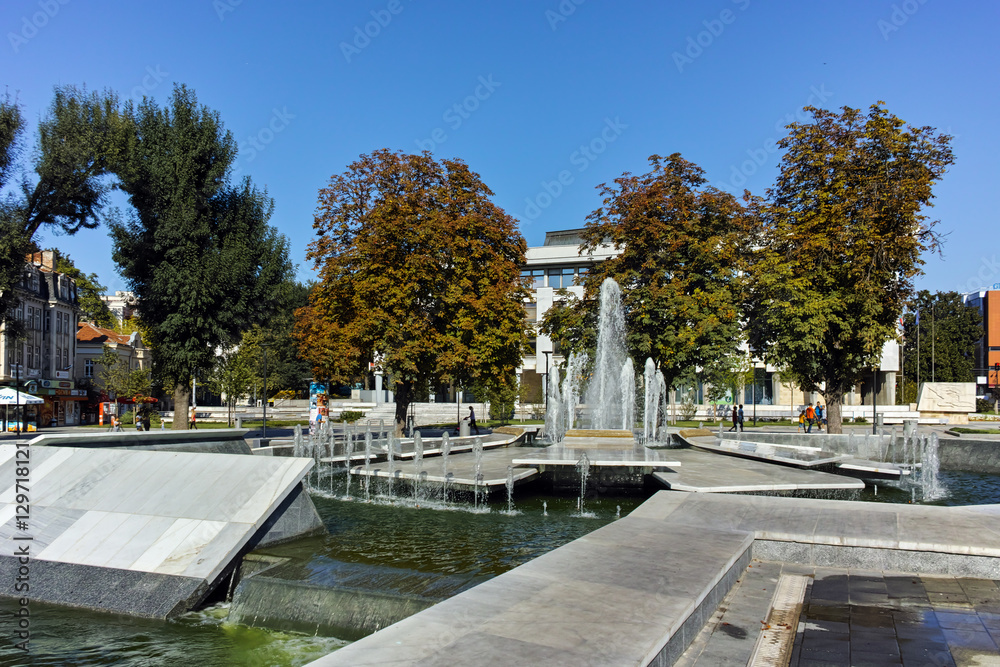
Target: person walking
734, 417
740, 416
472, 420
194, 417
810, 417
819, 416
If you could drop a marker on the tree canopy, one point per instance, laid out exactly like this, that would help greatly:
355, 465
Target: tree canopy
419, 273
681, 248
948, 331
196, 249
65, 185
839, 241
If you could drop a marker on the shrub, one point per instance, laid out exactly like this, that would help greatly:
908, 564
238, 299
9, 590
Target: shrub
351, 415
688, 411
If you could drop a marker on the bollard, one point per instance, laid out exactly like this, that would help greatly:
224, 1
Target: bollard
464, 430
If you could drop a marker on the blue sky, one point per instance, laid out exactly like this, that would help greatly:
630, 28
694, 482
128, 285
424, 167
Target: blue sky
586, 89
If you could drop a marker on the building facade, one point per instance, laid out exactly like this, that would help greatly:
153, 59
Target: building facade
42, 362
987, 353
558, 264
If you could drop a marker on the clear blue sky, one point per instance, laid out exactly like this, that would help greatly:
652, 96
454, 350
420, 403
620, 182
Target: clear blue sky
535, 83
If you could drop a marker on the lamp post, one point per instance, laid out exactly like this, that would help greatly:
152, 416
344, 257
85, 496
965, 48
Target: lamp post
547, 353
263, 431
874, 400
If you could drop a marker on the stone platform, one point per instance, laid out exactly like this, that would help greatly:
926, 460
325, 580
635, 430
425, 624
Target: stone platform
638, 591
146, 533
461, 470
706, 472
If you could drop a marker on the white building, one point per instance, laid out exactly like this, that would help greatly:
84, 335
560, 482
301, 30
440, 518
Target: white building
558, 264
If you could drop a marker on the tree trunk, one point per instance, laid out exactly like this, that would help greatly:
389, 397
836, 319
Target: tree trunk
404, 395
834, 411
182, 400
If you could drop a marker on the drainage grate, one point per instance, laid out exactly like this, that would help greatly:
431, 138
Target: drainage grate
774, 645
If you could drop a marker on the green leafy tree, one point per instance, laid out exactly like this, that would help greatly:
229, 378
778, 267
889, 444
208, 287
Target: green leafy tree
840, 240
66, 185
89, 291
948, 333
420, 271
196, 249
680, 248
234, 377
119, 380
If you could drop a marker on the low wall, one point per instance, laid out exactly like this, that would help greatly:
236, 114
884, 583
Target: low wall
963, 454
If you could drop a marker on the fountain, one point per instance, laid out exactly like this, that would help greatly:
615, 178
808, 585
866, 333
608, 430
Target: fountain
604, 393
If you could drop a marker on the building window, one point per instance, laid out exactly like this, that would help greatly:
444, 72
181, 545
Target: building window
531, 311
88, 368
561, 277
537, 277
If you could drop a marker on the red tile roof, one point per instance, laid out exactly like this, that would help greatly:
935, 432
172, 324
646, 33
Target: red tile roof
91, 333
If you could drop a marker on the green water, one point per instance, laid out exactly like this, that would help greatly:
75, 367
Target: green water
445, 547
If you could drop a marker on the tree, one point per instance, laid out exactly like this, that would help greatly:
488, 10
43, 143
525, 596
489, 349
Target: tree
89, 291
233, 376
68, 186
841, 235
948, 333
196, 250
680, 254
119, 379
420, 271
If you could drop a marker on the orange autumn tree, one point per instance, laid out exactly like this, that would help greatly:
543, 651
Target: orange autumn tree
420, 272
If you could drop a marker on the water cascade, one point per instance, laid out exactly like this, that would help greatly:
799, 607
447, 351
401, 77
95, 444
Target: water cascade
571, 388
652, 402
445, 451
555, 425
604, 393
583, 467
510, 489
418, 462
627, 382
368, 463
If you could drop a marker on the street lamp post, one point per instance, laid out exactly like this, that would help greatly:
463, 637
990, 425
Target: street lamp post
263, 431
875, 400
547, 353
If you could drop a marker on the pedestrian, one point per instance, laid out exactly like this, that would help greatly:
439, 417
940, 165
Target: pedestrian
194, 417
740, 416
115, 424
472, 420
735, 417
819, 416
810, 417
802, 421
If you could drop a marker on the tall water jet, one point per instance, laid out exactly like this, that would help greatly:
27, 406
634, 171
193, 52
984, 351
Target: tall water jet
510, 489
604, 393
418, 462
368, 462
651, 404
445, 451
627, 381
583, 467
555, 428
571, 387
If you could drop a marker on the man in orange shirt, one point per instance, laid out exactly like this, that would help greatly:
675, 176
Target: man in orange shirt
810, 417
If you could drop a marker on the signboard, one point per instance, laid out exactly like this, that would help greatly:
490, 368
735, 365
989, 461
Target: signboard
982, 379
62, 375
57, 384
318, 405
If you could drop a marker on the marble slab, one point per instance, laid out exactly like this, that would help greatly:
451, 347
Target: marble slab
163, 513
